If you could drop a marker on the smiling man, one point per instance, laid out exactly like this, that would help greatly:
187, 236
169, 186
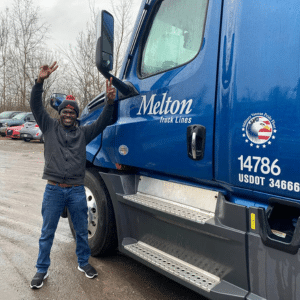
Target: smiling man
65, 159
68, 111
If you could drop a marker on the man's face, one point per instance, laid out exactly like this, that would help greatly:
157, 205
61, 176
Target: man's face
68, 117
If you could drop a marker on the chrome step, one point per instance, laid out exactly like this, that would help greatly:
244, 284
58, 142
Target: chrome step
174, 266
171, 207
193, 196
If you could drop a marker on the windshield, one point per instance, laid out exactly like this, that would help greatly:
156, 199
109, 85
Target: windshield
5, 114
19, 116
175, 36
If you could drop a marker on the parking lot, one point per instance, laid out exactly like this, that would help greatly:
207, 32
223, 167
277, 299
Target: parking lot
21, 192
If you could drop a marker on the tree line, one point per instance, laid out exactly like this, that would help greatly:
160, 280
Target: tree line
23, 49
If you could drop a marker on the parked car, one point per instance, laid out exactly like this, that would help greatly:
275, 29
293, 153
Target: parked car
9, 114
17, 120
31, 131
14, 131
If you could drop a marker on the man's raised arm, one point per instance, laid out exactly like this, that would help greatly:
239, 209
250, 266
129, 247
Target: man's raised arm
93, 130
36, 104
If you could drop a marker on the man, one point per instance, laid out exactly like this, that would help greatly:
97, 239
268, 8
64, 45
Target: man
65, 159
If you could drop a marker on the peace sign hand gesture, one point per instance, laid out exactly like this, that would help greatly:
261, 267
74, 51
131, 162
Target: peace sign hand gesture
110, 91
45, 72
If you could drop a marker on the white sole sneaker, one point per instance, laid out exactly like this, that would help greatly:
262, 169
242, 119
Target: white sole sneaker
88, 276
39, 286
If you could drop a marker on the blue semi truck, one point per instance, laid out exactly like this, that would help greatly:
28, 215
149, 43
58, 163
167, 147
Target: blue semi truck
198, 174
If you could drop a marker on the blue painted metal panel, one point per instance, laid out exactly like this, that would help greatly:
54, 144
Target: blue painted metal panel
106, 157
257, 124
93, 147
158, 141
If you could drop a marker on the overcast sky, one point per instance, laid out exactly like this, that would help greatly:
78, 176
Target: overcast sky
68, 17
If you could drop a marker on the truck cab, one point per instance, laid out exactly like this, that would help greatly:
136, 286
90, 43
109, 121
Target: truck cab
197, 176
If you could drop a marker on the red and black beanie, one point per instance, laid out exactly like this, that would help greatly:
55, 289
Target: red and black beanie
69, 102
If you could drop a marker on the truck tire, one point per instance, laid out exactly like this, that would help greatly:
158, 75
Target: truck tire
101, 220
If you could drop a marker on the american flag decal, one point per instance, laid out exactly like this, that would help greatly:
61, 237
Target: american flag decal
259, 130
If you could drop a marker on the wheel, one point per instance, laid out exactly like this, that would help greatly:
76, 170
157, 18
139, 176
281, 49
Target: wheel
27, 140
102, 232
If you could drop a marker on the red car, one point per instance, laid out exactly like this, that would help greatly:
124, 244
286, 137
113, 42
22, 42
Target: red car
14, 131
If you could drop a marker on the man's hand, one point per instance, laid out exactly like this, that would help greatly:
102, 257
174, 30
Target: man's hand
45, 72
110, 92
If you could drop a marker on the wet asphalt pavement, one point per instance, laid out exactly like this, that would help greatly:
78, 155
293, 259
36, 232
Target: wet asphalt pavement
21, 192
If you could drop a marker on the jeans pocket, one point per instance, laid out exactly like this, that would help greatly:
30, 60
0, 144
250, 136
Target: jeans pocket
79, 188
51, 187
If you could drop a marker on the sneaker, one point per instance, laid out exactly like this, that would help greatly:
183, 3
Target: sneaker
37, 281
89, 271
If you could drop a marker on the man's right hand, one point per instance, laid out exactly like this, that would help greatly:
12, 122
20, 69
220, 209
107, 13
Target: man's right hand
45, 72
110, 92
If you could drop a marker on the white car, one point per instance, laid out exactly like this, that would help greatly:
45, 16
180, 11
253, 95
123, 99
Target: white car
31, 131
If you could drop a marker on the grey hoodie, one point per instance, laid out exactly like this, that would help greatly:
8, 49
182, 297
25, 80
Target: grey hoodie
64, 150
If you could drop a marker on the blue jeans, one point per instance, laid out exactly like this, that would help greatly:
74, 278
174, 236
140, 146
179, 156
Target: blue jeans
55, 199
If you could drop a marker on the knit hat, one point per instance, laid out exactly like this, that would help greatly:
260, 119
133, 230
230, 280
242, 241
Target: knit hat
69, 102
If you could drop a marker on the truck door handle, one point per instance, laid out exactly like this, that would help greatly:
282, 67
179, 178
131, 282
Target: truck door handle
196, 141
194, 138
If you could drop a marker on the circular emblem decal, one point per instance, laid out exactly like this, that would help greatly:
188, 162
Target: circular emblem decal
259, 130
123, 150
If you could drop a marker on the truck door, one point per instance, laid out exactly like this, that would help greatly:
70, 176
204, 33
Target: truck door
258, 97
169, 126
257, 129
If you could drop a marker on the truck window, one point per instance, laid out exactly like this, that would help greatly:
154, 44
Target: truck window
175, 36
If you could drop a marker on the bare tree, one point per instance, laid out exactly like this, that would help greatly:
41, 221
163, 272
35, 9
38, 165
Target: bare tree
85, 82
4, 55
28, 50
83, 78
122, 12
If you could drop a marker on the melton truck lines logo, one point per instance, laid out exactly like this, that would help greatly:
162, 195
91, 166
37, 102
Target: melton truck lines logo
259, 129
166, 106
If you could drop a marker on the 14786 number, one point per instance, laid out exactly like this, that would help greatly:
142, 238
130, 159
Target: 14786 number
257, 163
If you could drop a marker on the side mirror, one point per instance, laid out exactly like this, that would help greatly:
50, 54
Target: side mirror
56, 99
105, 41
105, 53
